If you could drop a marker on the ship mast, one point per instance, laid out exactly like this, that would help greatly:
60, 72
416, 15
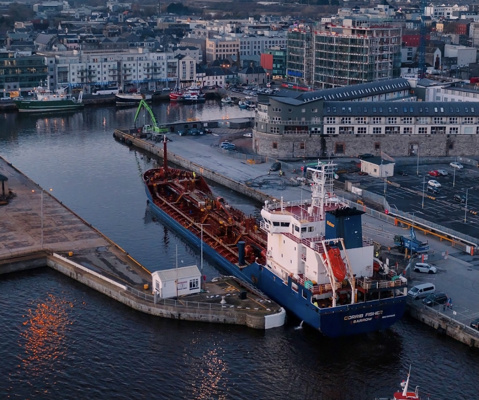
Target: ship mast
322, 187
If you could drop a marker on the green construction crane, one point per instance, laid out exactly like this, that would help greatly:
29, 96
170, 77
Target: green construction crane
153, 128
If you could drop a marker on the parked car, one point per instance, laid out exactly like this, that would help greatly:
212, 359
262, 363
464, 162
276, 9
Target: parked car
460, 198
433, 189
475, 324
434, 299
181, 132
248, 134
426, 268
194, 132
228, 146
442, 172
433, 173
457, 165
434, 183
365, 156
420, 291
275, 166
402, 173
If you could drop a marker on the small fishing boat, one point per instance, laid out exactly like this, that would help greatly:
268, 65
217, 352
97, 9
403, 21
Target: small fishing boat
404, 393
45, 100
131, 99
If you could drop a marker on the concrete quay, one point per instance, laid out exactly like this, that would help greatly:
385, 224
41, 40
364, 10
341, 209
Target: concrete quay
458, 274
36, 230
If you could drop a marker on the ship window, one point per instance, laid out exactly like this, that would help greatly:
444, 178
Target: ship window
296, 228
304, 294
311, 229
286, 224
303, 229
275, 223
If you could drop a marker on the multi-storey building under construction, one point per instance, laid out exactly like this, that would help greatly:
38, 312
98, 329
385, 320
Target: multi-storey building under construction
328, 55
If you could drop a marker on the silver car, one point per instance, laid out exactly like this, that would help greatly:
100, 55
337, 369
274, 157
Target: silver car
425, 268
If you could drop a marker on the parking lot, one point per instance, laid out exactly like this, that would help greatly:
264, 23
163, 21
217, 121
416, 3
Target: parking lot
410, 192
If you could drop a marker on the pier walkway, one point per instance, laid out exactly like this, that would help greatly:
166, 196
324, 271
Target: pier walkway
37, 230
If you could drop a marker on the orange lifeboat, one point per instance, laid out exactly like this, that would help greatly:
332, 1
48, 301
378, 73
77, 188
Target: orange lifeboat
337, 263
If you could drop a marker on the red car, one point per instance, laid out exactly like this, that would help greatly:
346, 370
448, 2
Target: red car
433, 173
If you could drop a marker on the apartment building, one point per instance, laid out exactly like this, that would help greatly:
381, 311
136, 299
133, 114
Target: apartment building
20, 71
367, 118
96, 69
222, 47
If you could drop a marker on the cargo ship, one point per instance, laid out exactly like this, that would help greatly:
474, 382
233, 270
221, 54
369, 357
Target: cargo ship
307, 256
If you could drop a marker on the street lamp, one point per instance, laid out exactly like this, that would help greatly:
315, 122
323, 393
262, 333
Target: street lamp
417, 164
41, 215
423, 185
385, 182
465, 206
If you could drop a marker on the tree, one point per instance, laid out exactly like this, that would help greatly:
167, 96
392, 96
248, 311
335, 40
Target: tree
20, 12
177, 8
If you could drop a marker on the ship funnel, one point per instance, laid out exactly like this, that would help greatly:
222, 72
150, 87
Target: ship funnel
241, 247
345, 223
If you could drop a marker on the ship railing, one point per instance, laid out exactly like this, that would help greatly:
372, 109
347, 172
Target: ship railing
189, 305
313, 287
369, 284
276, 206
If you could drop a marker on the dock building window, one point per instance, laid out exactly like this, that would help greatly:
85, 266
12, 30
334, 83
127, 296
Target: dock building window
453, 120
468, 120
194, 284
377, 130
330, 120
361, 120
376, 120
422, 130
331, 130
339, 148
454, 130
362, 130
407, 130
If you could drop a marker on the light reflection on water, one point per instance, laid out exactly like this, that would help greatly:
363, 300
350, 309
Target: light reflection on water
43, 333
62, 340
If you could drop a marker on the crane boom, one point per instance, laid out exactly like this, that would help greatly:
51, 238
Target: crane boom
153, 128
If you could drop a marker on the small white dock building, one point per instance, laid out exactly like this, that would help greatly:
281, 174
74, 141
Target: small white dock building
176, 282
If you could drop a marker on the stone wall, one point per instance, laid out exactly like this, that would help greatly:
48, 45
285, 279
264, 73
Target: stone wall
311, 146
444, 324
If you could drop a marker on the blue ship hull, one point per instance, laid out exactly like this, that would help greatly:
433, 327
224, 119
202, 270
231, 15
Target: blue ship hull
337, 321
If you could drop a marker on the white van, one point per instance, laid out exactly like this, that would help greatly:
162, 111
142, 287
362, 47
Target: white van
421, 291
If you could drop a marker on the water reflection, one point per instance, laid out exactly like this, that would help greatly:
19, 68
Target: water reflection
44, 335
209, 370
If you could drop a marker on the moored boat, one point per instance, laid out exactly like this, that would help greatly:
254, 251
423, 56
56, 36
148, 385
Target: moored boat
404, 393
131, 99
307, 256
46, 100
192, 94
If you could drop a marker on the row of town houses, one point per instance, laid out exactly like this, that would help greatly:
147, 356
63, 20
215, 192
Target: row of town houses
357, 45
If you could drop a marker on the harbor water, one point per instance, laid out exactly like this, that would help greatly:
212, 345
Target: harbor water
62, 340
